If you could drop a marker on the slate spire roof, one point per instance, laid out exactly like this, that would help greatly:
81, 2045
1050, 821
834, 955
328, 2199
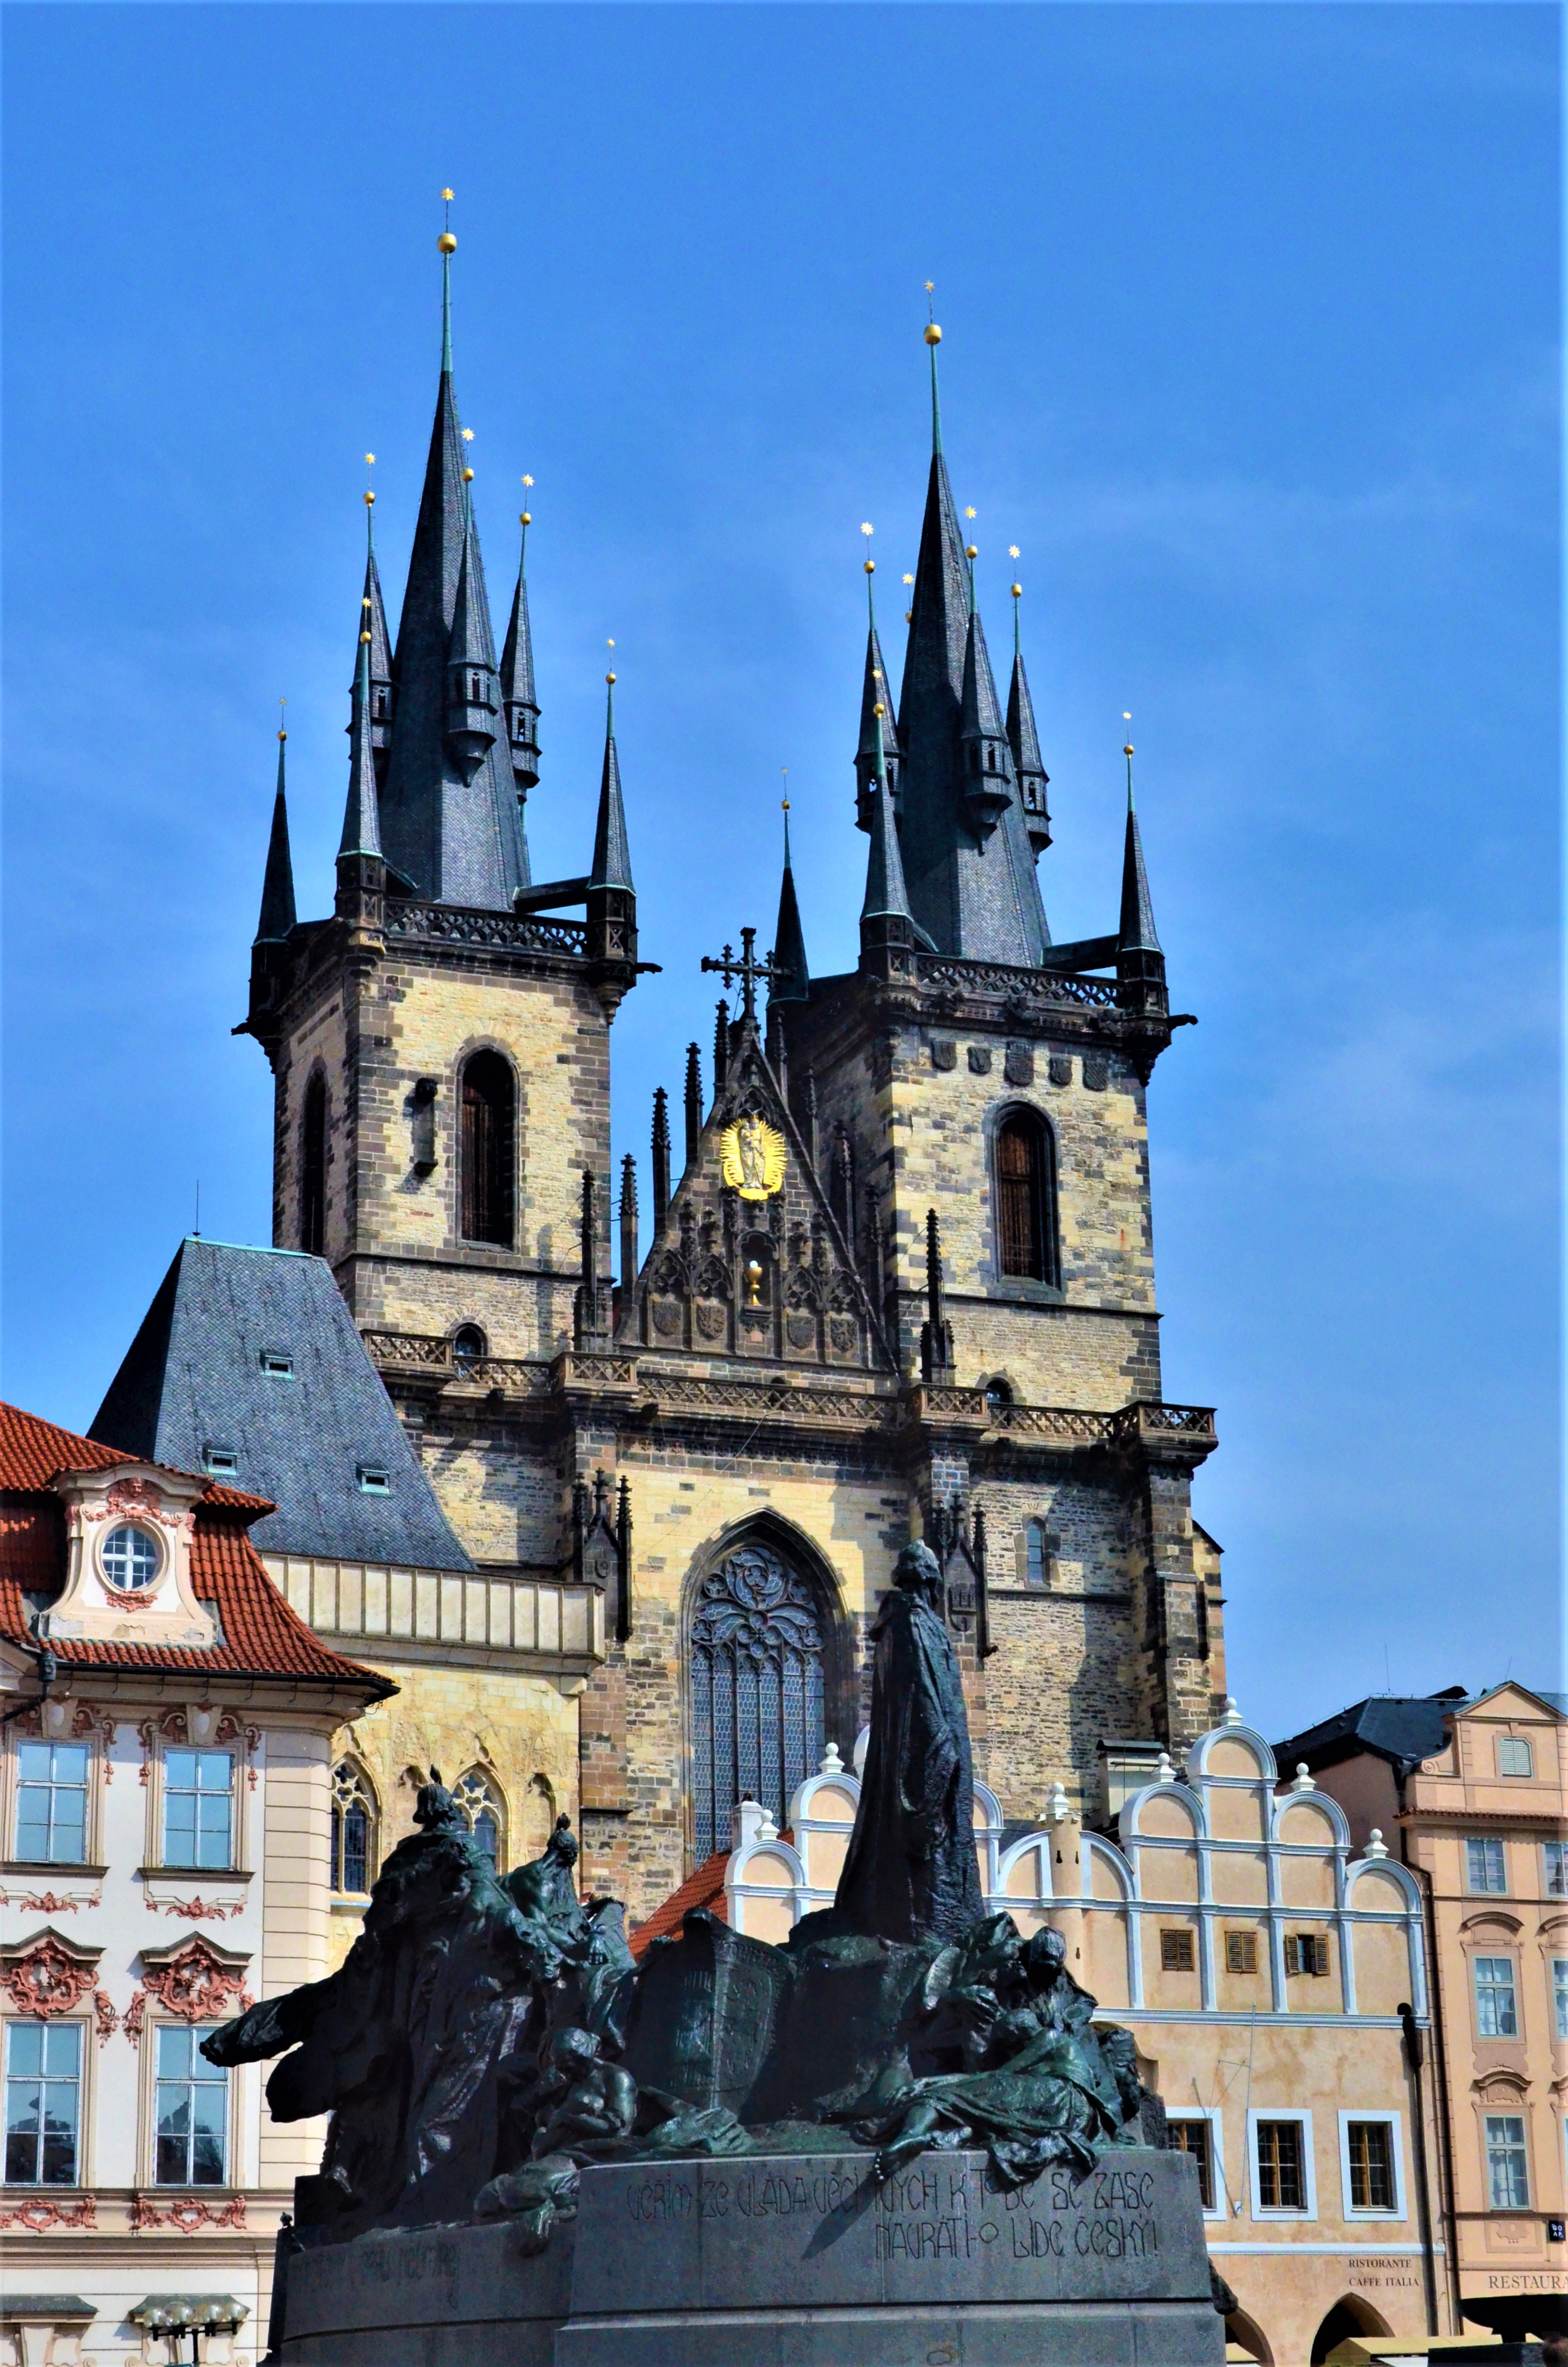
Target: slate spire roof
886, 894
518, 702
361, 819
612, 856
373, 618
874, 687
1136, 934
449, 817
277, 912
789, 938
973, 889
1024, 741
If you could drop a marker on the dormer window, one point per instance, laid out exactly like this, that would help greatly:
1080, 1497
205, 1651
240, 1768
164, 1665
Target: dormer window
130, 1559
476, 688
276, 1367
374, 1480
219, 1462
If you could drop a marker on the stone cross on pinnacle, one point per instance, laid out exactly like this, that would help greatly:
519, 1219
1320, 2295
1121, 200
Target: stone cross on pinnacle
745, 966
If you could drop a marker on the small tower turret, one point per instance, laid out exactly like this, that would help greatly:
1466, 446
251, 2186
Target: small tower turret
373, 618
520, 706
612, 899
987, 760
789, 939
885, 919
471, 693
873, 689
278, 909
1140, 963
361, 867
1022, 739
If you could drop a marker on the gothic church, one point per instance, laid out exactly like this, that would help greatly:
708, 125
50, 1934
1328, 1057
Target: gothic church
894, 1275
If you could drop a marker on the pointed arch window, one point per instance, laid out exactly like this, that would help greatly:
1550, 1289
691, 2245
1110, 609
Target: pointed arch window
313, 1168
1026, 1197
486, 1163
481, 1804
354, 1831
757, 1660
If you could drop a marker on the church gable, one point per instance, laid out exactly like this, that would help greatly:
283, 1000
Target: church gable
751, 1261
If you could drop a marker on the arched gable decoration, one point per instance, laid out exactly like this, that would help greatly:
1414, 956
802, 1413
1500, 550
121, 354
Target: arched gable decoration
757, 1653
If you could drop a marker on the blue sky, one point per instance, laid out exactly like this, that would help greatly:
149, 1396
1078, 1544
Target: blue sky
1251, 324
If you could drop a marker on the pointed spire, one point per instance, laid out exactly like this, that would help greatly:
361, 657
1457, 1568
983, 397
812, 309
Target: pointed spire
612, 858
449, 805
373, 617
936, 1331
517, 673
789, 939
887, 897
874, 686
1024, 741
629, 1226
693, 1101
278, 910
660, 1160
1137, 930
361, 818
987, 778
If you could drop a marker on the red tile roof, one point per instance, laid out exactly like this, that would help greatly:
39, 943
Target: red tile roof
262, 1635
704, 1888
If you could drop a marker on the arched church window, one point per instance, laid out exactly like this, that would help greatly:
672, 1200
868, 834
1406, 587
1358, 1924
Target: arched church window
354, 1831
489, 1105
1038, 1544
1026, 1197
756, 1660
480, 1803
469, 1346
999, 1394
313, 1168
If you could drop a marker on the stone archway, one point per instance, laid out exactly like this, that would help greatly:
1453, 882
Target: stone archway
758, 1646
1248, 2335
1351, 2315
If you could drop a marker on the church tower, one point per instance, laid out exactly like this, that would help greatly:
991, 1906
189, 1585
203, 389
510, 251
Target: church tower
440, 1044
898, 1277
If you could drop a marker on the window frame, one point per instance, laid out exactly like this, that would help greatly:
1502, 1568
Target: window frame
1548, 1851
79, 2023
1520, 2119
159, 1806
1557, 1982
1485, 1841
1245, 1944
1395, 2123
157, 2028
1049, 1229
1322, 1966
481, 1774
13, 1806
1525, 1774
507, 1164
1178, 1948
1507, 2037
354, 1770
1254, 2119
1219, 2208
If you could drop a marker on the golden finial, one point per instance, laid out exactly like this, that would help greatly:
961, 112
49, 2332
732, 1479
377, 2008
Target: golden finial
970, 511
784, 770
934, 334
908, 579
468, 476
366, 602
609, 677
467, 435
281, 732
525, 517
879, 709
369, 497
527, 480
1127, 719
447, 242
365, 637
970, 550
867, 528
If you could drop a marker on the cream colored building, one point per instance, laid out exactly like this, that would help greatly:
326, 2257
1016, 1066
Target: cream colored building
1262, 1963
1478, 1800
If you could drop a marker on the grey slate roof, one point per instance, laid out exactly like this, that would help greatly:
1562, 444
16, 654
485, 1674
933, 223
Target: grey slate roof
1402, 1727
193, 1379
277, 912
612, 856
789, 938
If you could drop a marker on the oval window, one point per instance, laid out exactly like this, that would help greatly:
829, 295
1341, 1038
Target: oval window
130, 1559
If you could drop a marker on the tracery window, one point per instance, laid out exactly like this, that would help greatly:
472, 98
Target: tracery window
480, 1803
758, 1713
354, 1831
1026, 1197
489, 1106
313, 1168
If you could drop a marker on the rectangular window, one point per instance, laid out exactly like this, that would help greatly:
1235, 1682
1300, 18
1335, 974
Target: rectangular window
1176, 1954
1514, 1755
1497, 2014
1507, 2174
1197, 2138
373, 1481
51, 1802
191, 2111
43, 2102
1559, 1994
1241, 1952
1280, 2183
220, 1462
1306, 1951
199, 1807
1037, 1548
275, 1366
1485, 1867
1370, 2145
1556, 1868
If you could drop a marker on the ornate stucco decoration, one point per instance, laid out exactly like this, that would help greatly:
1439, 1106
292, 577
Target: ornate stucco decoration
129, 1534
46, 1974
196, 1981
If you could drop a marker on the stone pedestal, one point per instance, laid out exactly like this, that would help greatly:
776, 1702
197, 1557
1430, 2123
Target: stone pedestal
782, 2261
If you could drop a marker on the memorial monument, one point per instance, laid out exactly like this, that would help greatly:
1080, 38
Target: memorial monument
899, 2138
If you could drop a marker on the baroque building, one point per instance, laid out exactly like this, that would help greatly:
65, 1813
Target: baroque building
898, 1274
